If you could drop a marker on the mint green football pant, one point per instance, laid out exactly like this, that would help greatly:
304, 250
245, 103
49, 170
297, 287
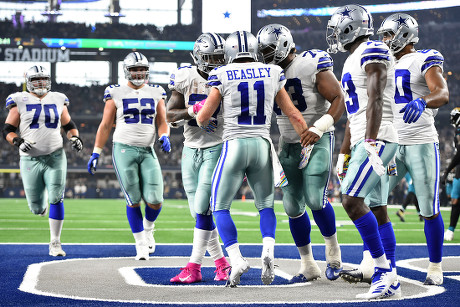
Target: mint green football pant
307, 186
422, 163
44, 173
240, 157
197, 167
139, 173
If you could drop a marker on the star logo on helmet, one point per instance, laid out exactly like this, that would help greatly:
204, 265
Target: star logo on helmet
277, 32
401, 21
346, 13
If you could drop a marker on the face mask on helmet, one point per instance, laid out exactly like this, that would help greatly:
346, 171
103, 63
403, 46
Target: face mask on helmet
346, 25
274, 43
136, 68
398, 30
208, 52
241, 44
38, 80
455, 117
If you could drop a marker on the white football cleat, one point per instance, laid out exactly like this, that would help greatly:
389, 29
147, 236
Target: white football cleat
55, 249
311, 272
393, 292
434, 274
448, 235
381, 282
142, 251
241, 266
268, 269
150, 239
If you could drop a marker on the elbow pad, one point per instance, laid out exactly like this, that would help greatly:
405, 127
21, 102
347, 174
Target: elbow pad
7, 129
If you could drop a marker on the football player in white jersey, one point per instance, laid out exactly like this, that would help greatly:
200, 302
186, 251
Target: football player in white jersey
420, 91
317, 94
136, 108
368, 80
247, 90
200, 153
40, 114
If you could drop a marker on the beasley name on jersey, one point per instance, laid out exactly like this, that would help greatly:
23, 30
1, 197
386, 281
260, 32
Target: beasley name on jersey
136, 111
301, 87
248, 91
410, 82
40, 120
187, 81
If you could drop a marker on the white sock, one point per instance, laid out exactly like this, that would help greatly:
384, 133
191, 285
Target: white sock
306, 255
214, 247
234, 253
382, 262
55, 229
148, 225
268, 246
333, 253
139, 236
200, 242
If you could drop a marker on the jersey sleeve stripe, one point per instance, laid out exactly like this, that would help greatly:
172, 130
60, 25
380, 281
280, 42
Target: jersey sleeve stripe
434, 58
430, 64
375, 50
214, 83
282, 77
375, 57
212, 77
10, 102
324, 65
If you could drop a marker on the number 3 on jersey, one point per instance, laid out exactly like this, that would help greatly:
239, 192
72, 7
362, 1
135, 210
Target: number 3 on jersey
352, 100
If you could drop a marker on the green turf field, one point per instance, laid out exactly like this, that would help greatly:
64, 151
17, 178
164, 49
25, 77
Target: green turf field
104, 221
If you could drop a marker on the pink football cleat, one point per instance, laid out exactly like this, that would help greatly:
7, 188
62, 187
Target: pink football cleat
222, 269
190, 274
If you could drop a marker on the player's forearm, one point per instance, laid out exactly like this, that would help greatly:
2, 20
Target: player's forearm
455, 161
346, 143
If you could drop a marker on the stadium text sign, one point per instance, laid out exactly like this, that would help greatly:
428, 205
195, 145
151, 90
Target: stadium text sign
35, 55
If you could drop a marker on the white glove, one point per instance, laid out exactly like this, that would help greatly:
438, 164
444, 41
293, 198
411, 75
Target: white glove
372, 153
77, 143
305, 155
23, 144
342, 166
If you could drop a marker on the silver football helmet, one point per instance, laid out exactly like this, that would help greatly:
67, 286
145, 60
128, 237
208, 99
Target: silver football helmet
275, 42
208, 52
347, 24
240, 44
38, 80
455, 116
403, 30
134, 60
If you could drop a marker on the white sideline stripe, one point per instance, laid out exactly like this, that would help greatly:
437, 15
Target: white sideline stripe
30, 281
407, 264
171, 229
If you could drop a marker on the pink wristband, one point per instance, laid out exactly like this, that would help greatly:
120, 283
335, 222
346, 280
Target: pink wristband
369, 140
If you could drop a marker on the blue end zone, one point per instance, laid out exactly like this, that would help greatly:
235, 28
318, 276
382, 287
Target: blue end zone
15, 258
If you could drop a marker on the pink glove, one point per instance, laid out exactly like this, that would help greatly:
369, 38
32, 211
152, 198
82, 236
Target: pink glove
198, 106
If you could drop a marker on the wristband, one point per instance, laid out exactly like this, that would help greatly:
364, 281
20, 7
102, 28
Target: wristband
316, 131
190, 112
370, 140
97, 150
324, 122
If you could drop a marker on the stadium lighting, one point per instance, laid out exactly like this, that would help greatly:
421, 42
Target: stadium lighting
372, 8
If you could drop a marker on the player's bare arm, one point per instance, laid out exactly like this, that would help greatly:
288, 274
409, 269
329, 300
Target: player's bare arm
211, 105
295, 117
12, 119
439, 93
346, 143
160, 119
108, 118
176, 110
330, 89
376, 83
